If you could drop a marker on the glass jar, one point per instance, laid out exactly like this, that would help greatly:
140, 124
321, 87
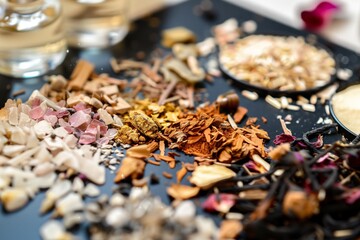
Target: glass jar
95, 23
32, 38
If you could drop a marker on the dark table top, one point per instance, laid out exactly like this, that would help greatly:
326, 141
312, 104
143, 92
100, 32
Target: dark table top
25, 224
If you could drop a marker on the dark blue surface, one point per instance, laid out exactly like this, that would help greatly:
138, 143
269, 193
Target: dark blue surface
25, 223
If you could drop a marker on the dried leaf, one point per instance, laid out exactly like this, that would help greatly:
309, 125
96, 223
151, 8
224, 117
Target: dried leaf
219, 202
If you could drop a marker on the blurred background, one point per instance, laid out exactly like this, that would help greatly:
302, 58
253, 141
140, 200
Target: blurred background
344, 30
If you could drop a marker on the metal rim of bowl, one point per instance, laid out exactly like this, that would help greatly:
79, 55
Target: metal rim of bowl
347, 132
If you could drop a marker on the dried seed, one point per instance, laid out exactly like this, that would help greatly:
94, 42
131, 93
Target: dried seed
308, 107
253, 96
273, 102
293, 107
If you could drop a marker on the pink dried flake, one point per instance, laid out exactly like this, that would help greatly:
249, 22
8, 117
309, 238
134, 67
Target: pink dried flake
79, 118
111, 133
37, 113
219, 202
65, 125
35, 102
98, 125
52, 119
87, 138
352, 196
61, 103
103, 141
82, 107
96, 116
62, 113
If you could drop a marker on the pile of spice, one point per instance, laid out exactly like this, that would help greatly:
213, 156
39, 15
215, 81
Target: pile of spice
67, 133
61, 140
277, 63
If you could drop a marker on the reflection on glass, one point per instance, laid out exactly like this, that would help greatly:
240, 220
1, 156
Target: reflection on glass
95, 23
32, 39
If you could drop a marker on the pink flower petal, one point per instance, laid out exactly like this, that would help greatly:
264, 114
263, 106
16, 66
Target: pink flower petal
219, 202
352, 196
283, 138
320, 16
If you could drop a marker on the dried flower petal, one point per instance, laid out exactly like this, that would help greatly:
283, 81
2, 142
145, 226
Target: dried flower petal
283, 138
219, 203
320, 16
206, 176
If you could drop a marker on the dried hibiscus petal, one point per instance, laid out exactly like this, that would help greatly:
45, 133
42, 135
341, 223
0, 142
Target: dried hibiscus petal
219, 203
320, 16
284, 138
352, 196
